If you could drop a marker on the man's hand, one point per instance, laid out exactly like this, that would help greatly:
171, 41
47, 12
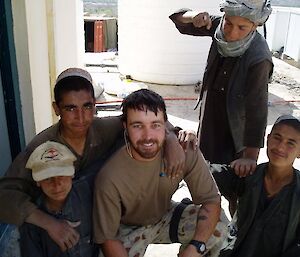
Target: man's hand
243, 166
199, 20
63, 233
187, 138
174, 156
189, 251
247, 164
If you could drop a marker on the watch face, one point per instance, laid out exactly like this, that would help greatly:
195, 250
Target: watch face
200, 246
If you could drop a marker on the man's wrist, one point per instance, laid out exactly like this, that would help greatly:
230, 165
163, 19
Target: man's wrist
251, 153
40, 219
193, 251
200, 246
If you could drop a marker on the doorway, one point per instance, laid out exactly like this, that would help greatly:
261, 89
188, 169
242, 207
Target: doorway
10, 108
5, 152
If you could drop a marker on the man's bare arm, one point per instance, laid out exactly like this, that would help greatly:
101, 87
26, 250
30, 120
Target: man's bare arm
208, 217
113, 248
61, 231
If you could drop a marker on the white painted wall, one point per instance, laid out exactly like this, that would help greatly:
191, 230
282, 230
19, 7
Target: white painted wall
38, 62
68, 34
32, 53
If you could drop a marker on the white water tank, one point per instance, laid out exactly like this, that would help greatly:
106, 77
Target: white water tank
150, 47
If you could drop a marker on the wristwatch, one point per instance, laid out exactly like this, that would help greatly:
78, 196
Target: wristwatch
200, 246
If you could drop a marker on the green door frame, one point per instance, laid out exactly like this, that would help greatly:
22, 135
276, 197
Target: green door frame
8, 69
11, 98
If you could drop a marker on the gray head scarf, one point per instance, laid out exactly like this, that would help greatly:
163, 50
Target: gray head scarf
256, 11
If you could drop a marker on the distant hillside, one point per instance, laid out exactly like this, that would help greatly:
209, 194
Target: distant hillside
108, 8
288, 3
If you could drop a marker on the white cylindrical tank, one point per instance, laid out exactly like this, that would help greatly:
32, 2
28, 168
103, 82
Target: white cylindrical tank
150, 47
278, 21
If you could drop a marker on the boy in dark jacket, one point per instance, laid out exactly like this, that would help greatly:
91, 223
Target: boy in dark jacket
267, 219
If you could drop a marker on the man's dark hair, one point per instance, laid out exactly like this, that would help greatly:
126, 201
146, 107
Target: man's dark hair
294, 123
73, 83
144, 100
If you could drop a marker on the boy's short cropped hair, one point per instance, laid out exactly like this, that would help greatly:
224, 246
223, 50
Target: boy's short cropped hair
51, 159
73, 79
289, 120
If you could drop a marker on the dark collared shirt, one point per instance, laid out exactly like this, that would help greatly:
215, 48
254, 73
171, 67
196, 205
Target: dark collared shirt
267, 232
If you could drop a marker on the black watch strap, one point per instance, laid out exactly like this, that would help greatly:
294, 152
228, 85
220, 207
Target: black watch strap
200, 246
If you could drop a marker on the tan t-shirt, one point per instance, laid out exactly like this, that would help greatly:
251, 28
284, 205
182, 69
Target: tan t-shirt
132, 192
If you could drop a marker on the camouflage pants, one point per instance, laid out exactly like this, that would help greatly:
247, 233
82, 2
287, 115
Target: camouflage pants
136, 239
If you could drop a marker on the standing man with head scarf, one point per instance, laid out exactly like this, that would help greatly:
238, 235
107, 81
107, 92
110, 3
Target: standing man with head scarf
234, 96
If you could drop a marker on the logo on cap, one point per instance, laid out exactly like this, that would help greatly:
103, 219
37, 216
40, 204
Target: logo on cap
51, 154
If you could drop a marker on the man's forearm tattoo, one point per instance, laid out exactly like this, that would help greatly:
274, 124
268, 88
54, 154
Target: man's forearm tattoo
201, 216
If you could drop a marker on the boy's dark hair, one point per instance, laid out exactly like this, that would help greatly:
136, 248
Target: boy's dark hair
144, 100
73, 79
288, 120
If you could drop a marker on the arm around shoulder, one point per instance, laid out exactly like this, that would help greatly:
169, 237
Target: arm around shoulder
111, 128
16, 197
62, 232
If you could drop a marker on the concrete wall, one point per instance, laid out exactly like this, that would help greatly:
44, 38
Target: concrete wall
49, 37
38, 62
68, 34
31, 44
